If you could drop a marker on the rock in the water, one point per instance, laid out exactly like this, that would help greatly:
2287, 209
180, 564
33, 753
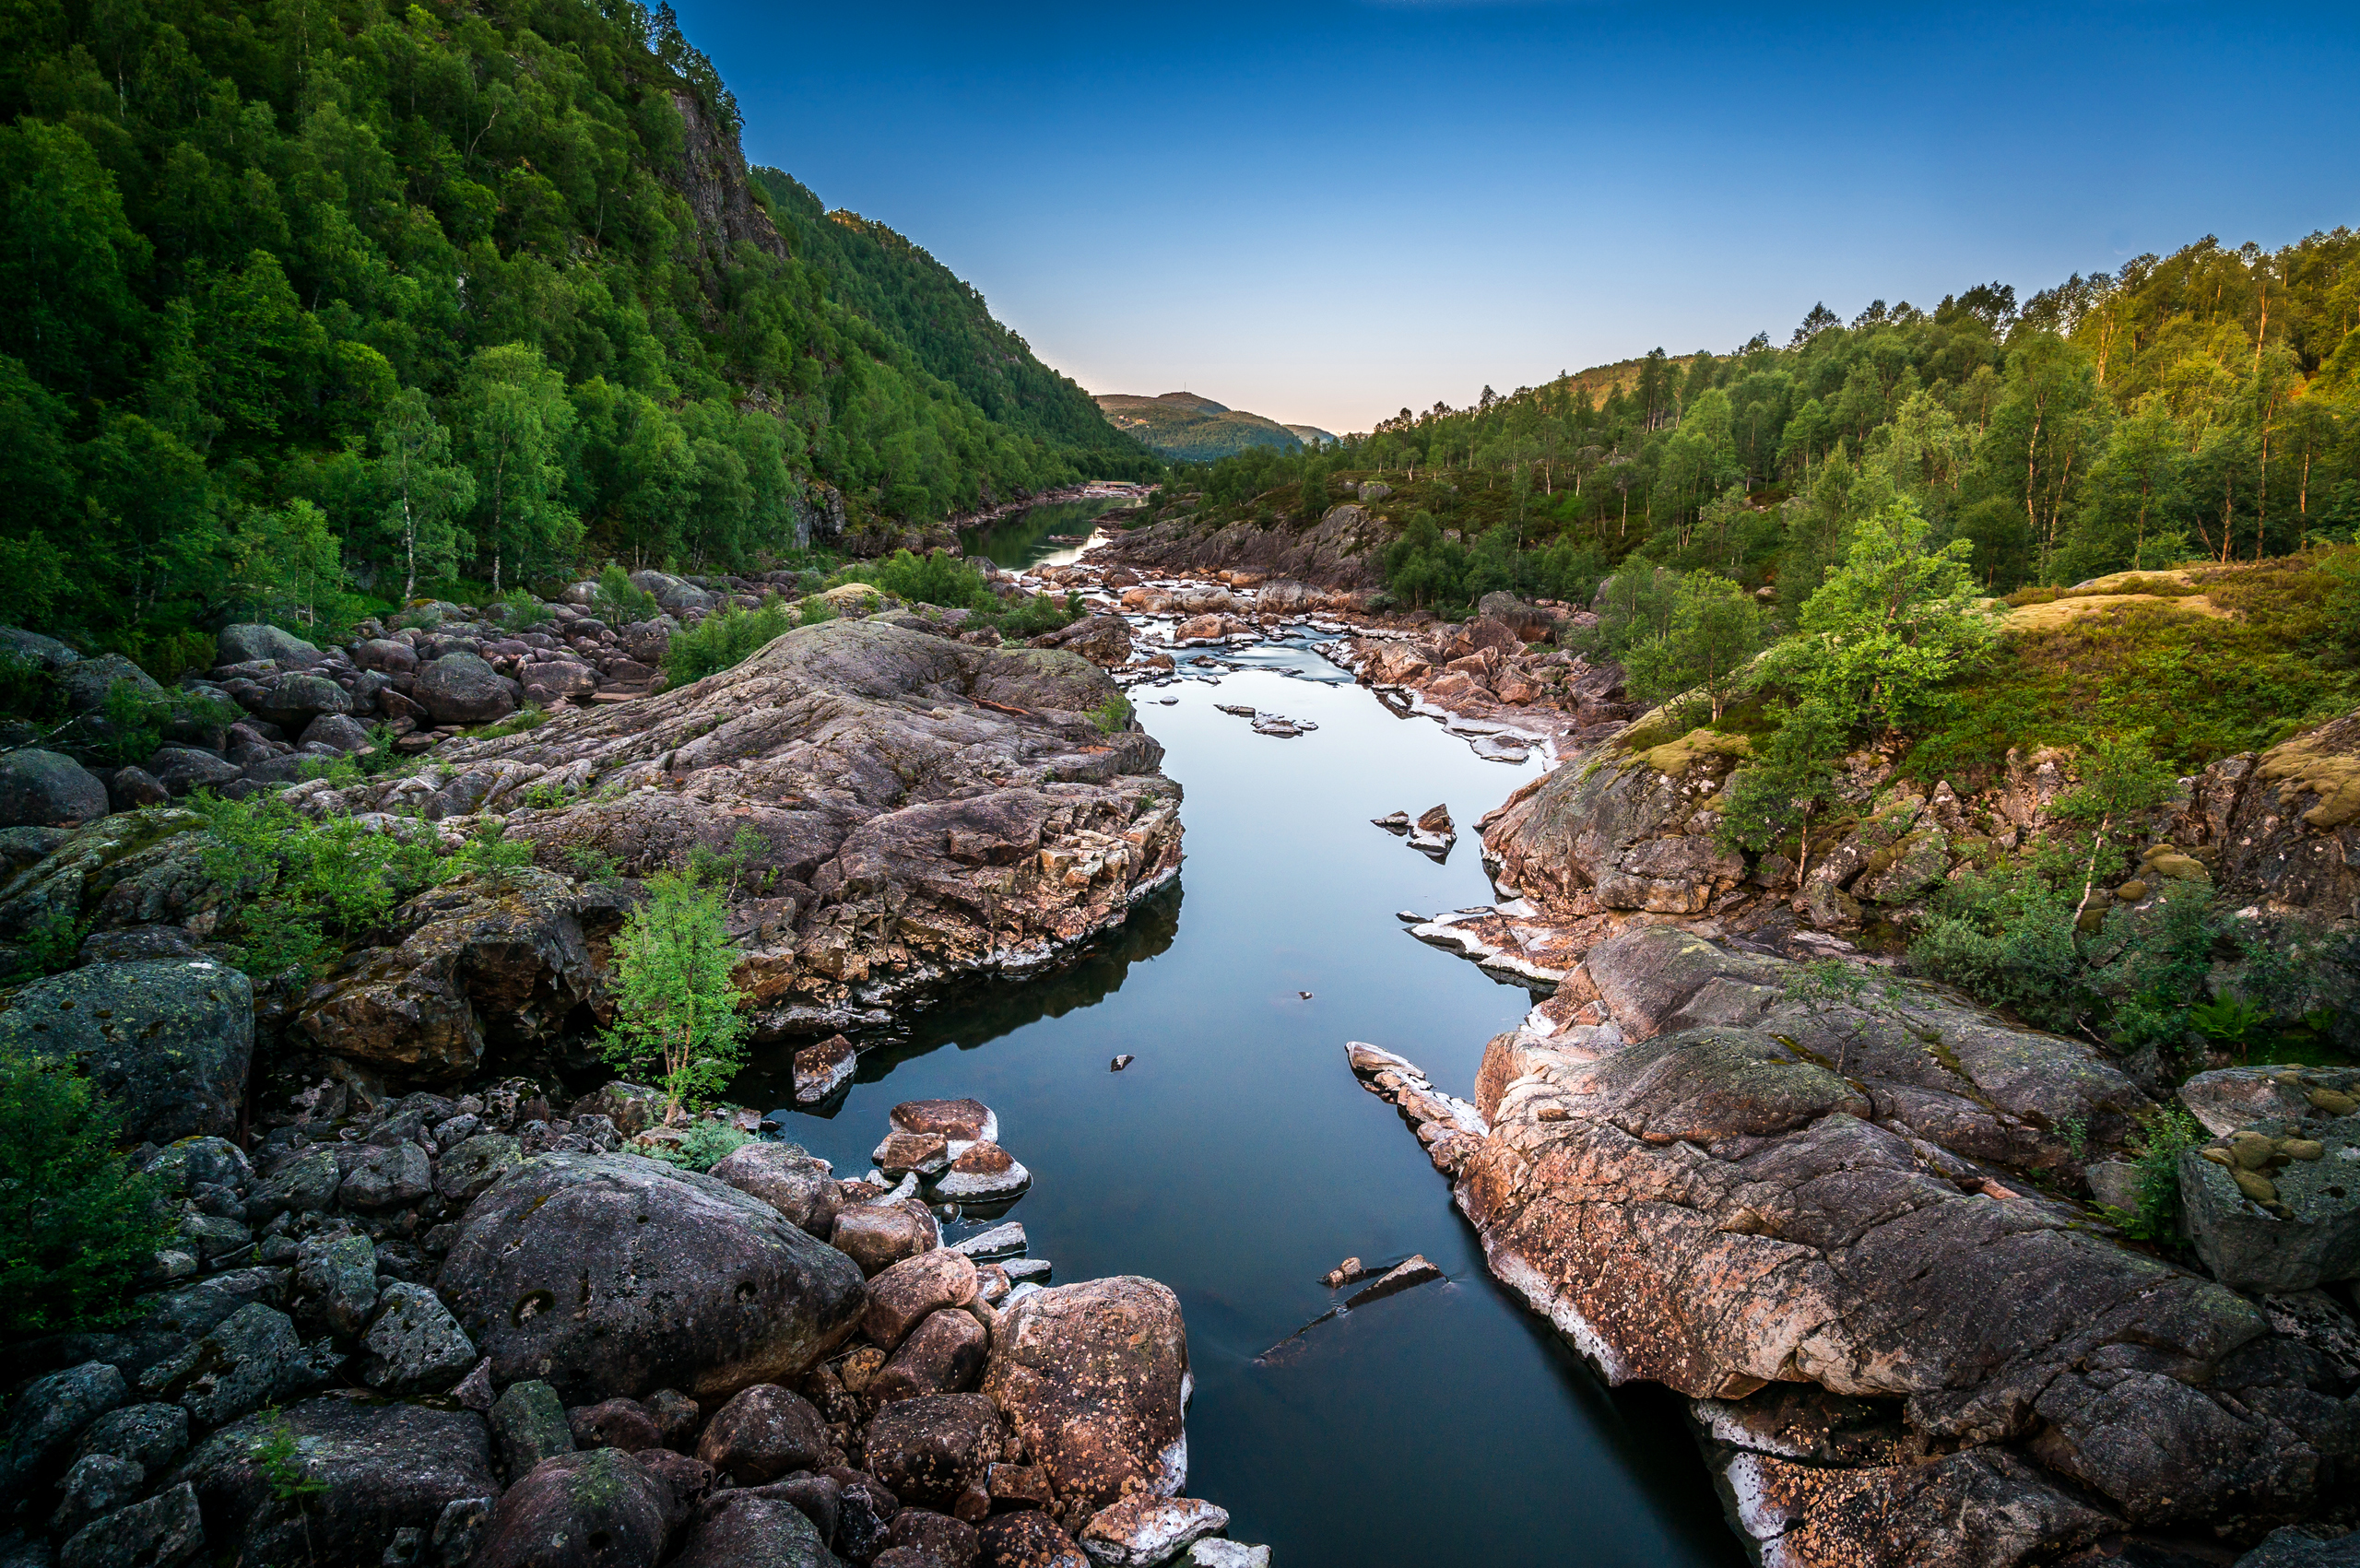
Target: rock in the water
1004, 1240
900, 1297
959, 1123
47, 789
1142, 1531
1090, 1377
382, 1467
598, 1509
928, 1450
944, 1355
608, 1274
879, 1235
1027, 1539
985, 1173
926, 1153
170, 1040
1416, 1270
529, 1423
821, 1069
763, 1434
1119, 1063
1214, 1552
460, 688
166, 1530
798, 1186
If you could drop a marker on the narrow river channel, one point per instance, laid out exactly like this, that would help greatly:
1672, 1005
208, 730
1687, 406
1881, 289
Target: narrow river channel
1237, 1160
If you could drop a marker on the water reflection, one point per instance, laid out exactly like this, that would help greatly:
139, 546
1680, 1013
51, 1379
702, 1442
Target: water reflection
1053, 535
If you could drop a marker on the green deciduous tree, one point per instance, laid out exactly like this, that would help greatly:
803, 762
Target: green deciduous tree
423, 490
675, 1009
78, 1227
513, 419
1705, 657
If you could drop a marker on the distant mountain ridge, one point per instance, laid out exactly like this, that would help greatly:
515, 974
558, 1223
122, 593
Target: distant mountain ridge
1189, 428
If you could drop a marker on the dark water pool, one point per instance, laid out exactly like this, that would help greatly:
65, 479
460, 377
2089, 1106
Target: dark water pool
1043, 536
1237, 1160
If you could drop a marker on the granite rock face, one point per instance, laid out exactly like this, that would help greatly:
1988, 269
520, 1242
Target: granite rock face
1834, 1226
171, 1041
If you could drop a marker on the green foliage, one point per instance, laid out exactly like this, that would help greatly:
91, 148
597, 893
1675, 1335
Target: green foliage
620, 601
488, 854
708, 1141
77, 1225
2005, 937
815, 610
297, 891
1826, 983
281, 1461
727, 637
1030, 615
523, 610
937, 578
1788, 779
1705, 658
675, 1012
1114, 715
2166, 1135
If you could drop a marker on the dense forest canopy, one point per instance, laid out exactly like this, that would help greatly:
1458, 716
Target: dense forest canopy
303, 295
2196, 406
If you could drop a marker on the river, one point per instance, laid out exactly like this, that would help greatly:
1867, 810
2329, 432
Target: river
1237, 1160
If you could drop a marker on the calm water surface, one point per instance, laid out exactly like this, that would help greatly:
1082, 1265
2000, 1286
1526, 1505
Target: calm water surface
1024, 539
1237, 1160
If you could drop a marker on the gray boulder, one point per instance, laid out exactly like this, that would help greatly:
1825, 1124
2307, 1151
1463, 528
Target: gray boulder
251, 1359
2291, 1548
339, 1273
592, 1508
166, 1530
87, 682
248, 643
181, 769
416, 1343
460, 688
530, 1426
385, 655
338, 730
45, 1419
128, 789
150, 1436
170, 1041
612, 1275
382, 1467
2282, 1213
752, 1527
32, 648
47, 789
797, 1184
294, 700
96, 1484
303, 1182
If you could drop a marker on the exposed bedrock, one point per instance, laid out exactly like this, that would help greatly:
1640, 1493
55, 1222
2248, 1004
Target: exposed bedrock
1845, 1231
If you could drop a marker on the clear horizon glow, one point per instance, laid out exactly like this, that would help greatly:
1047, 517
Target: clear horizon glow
1326, 212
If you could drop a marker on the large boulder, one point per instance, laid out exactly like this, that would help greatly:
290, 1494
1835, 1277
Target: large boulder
2275, 1206
1093, 1378
928, 1451
752, 1527
47, 789
251, 642
382, 1467
597, 1509
250, 1359
170, 1041
89, 683
481, 960
460, 688
797, 1184
44, 1420
1102, 639
608, 1274
763, 1434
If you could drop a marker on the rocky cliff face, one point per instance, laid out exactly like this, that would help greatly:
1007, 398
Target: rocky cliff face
1844, 1230
720, 196
1340, 552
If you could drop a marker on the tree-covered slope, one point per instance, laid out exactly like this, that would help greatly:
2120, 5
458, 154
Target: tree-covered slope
1190, 429
296, 294
896, 283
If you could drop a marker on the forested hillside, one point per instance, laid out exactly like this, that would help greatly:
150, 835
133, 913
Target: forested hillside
2202, 405
307, 297
1190, 429
894, 281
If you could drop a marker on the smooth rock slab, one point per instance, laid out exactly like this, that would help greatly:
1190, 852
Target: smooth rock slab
608, 1274
1142, 1531
166, 1530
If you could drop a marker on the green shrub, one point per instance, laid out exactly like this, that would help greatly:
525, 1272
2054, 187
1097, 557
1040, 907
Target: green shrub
937, 578
1114, 715
77, 1225
618, 601
2168, 1134
726, 638
297, 891
1032, 613
816, 609
675, 1012
2005, 937
709, 1141
524, 610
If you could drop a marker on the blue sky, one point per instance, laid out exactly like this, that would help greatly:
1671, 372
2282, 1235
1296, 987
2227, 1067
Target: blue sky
1325, 212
